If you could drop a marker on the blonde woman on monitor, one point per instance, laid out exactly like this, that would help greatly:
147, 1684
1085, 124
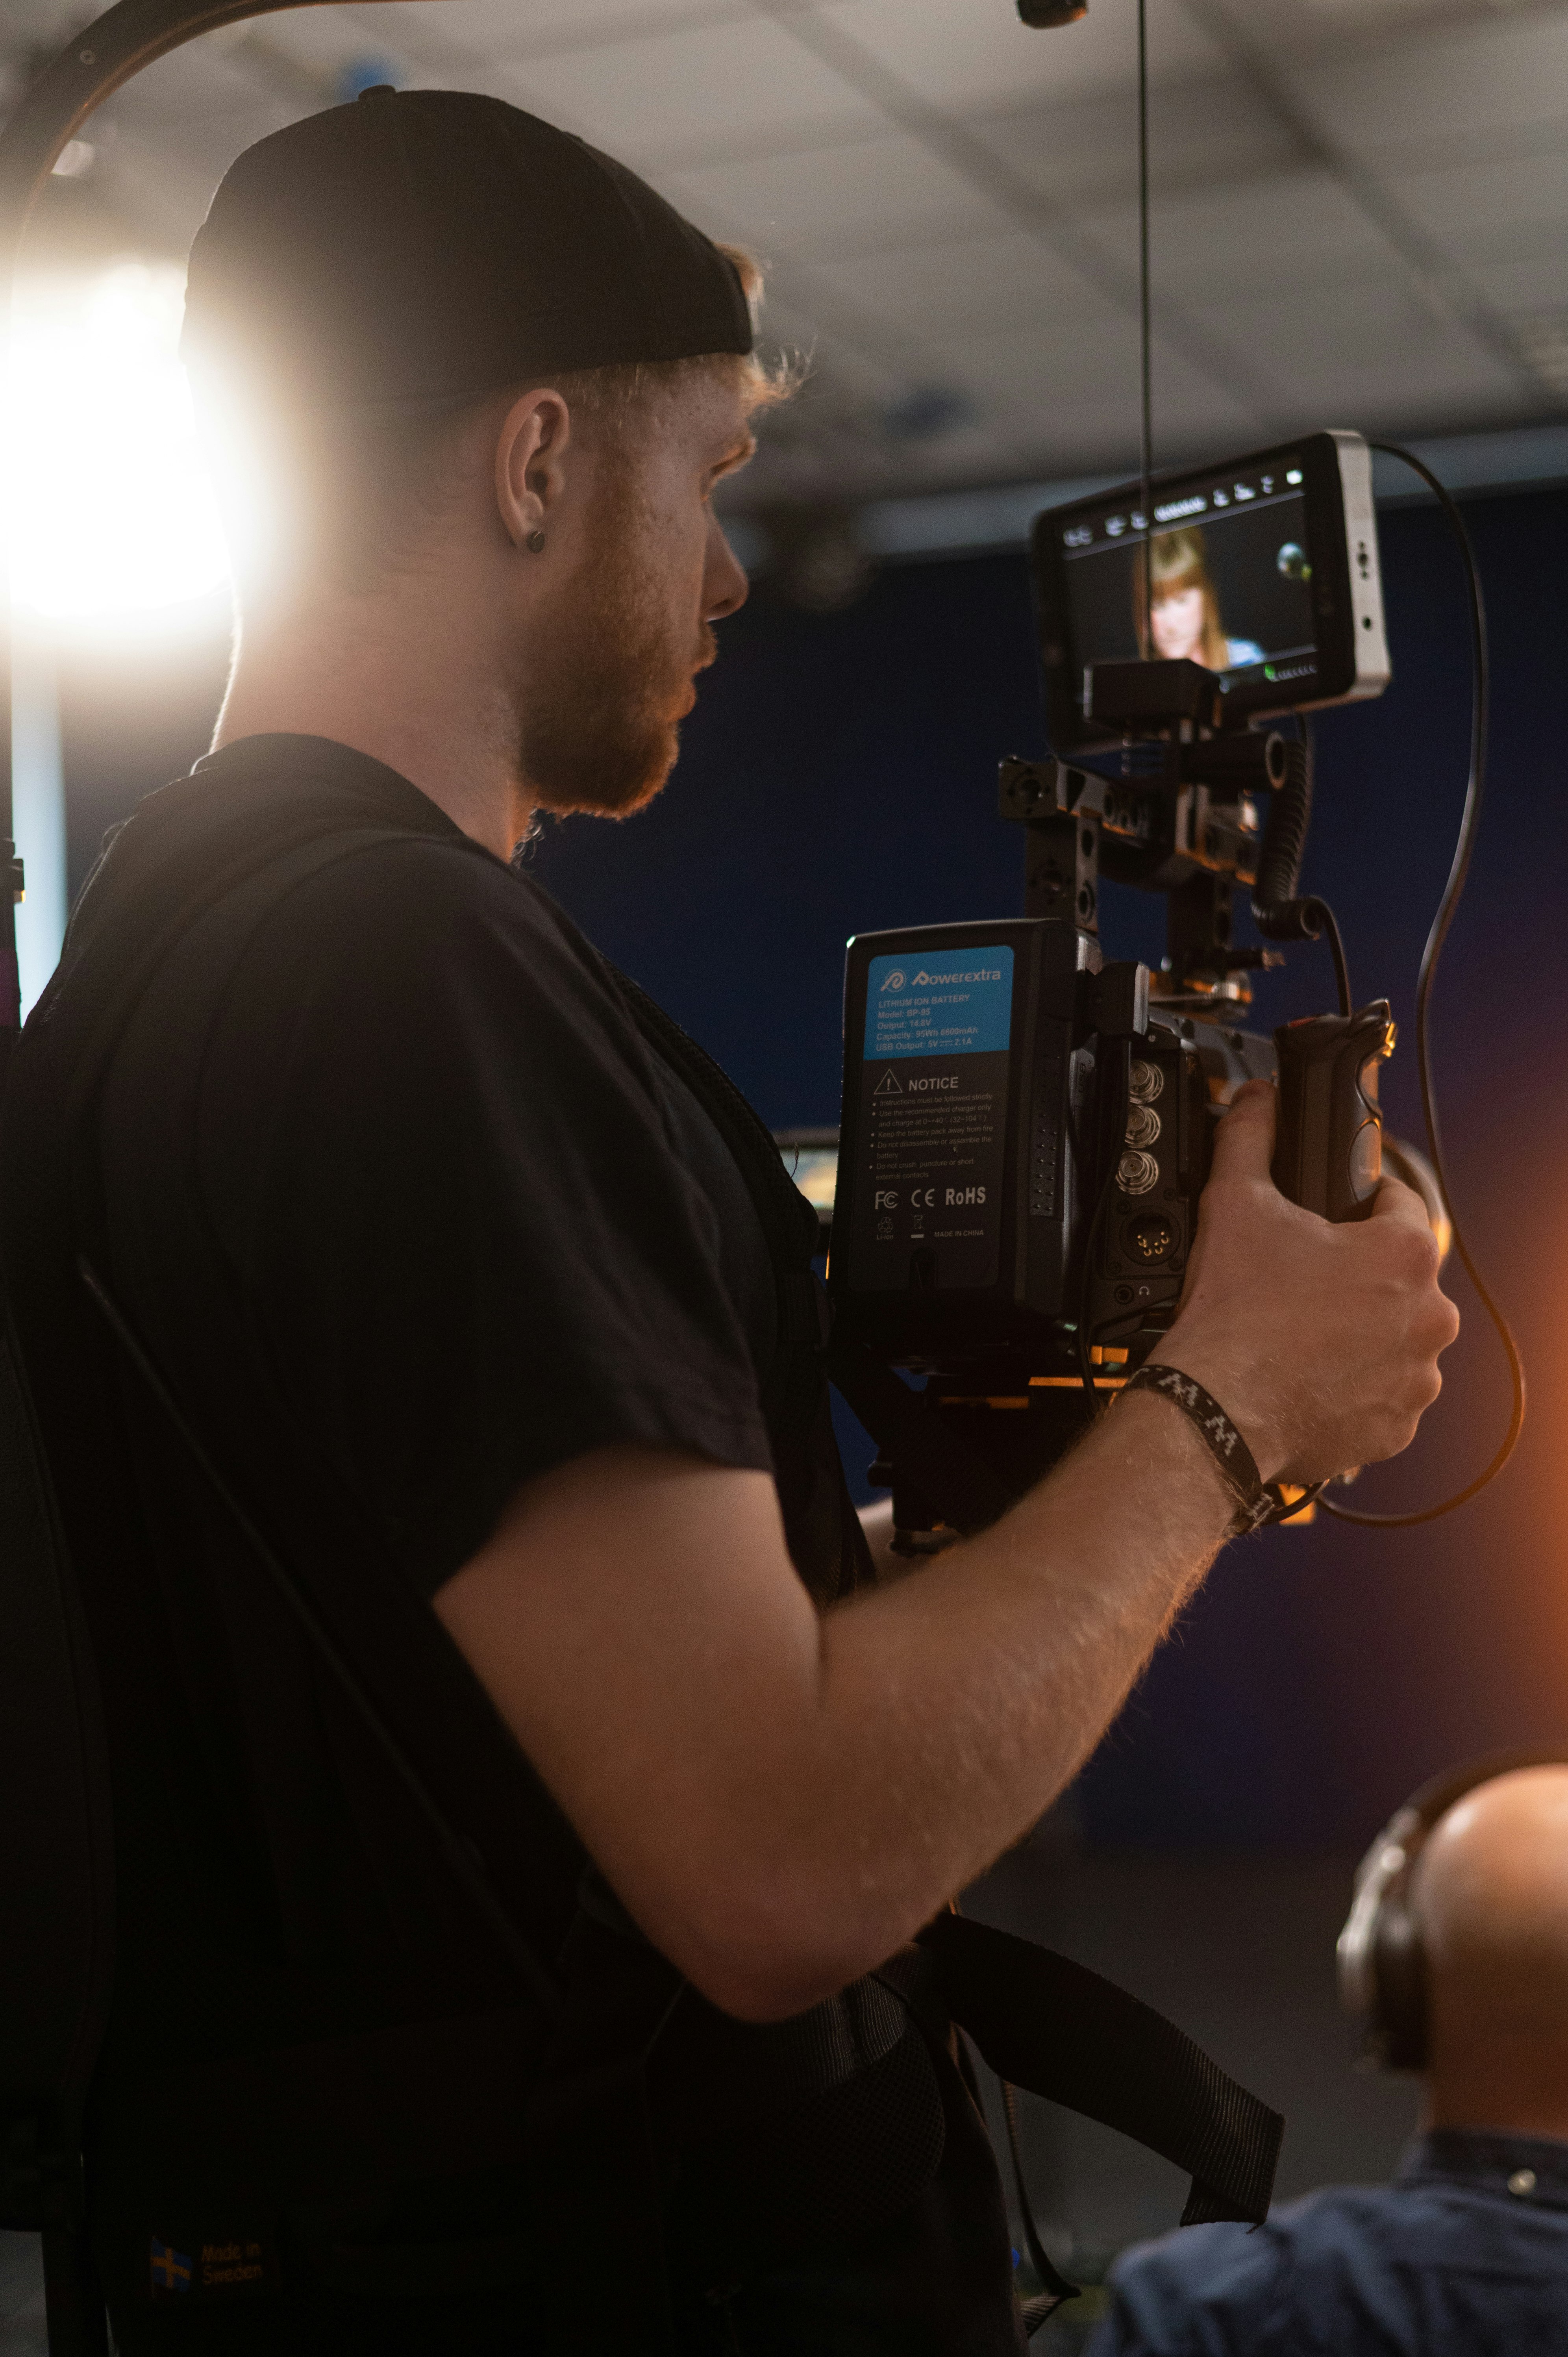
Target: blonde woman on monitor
1183, 610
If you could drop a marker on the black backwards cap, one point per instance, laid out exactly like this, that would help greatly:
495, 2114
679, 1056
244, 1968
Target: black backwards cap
422, 245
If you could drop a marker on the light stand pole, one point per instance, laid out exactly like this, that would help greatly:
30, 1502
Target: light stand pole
38, 803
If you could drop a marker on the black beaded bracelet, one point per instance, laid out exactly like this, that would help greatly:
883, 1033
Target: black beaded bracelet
1255, 1502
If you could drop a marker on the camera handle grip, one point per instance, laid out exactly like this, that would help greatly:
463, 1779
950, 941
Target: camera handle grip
1329, 1143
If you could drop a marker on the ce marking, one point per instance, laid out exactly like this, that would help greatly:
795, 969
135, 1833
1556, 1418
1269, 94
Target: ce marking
923, 1199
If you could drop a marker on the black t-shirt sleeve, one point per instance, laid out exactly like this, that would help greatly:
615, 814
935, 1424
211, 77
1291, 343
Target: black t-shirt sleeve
432, 1150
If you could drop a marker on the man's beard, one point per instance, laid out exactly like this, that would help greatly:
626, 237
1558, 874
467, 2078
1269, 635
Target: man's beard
607, 683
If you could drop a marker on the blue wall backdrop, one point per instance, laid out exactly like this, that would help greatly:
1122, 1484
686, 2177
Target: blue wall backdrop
839, 775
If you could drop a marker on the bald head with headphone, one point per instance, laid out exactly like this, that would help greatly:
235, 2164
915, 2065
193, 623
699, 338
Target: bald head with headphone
1455, 1952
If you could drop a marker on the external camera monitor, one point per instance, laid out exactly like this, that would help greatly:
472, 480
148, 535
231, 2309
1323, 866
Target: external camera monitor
1264, 570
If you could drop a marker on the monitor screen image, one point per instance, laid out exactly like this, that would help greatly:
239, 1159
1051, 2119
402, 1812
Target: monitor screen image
1230, 580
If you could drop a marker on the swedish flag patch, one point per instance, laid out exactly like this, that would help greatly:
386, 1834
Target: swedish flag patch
170, 2268
240, 2263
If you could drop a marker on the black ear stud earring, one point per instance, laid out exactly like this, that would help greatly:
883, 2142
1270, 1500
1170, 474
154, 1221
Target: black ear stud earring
536, 542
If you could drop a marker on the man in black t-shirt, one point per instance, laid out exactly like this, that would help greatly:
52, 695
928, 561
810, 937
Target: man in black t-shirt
454, 1255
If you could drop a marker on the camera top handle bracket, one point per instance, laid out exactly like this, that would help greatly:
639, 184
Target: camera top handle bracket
1182, 819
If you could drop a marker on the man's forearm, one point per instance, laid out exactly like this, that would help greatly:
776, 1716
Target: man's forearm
951, 1708
783, 1798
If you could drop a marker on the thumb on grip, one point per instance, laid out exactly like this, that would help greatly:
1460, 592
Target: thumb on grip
1244, 1139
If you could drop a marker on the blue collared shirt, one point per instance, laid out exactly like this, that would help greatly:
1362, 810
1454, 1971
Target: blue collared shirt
1465, 2254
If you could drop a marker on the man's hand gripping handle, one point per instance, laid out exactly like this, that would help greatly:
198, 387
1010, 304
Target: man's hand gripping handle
1321, 1338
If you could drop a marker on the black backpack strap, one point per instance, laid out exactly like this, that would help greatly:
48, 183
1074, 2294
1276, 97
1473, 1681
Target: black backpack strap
787, 1220
56, 1869
794, 1393
893, 1415
1044, 2023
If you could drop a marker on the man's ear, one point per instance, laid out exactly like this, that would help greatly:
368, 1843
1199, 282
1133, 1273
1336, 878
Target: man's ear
530, 465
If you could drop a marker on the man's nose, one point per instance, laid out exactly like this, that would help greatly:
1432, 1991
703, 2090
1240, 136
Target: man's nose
725, 585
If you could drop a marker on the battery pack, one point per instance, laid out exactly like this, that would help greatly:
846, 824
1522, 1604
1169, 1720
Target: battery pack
963, 1060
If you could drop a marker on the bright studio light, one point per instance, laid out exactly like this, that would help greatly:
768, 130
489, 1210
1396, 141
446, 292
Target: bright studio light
111, 512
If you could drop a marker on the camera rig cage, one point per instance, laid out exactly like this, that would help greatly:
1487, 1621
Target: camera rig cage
1026, 1128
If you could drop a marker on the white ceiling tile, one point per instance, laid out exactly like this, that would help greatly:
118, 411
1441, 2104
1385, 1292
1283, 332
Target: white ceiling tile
1467, 205
1093, 376
1378, 400
47, 25
1036, 367
788, 315
839, 201
960, 54
180, 91
324, 40
856, 375
816, 321
1536, 282
1003, 283
1444, 83
721, 87
1209, 131
1195, 409
1289, 230
1378, 341
829, 336
1333, 29
1071, 433
1358, 15
165, 197
507, 28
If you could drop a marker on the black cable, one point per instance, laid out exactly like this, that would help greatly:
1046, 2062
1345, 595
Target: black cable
1277, 912
1054, 2286
1474, 792
1146, 414
1323, 925
1314, 919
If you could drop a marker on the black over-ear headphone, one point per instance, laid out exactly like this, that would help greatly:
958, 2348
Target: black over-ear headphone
1382, 1965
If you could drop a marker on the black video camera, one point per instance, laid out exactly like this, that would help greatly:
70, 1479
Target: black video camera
1026, 1127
